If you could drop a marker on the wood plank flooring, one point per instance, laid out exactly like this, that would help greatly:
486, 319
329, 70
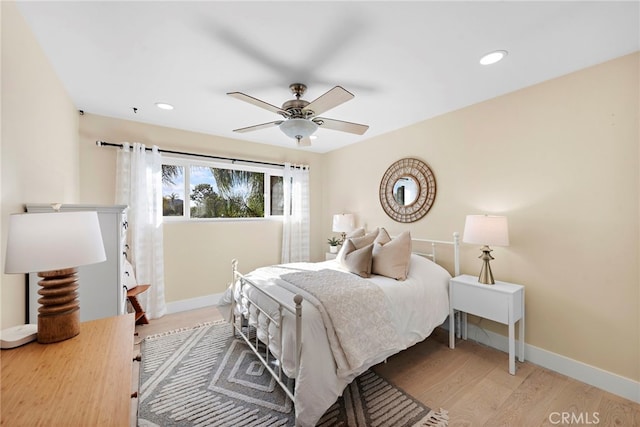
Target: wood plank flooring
471, 382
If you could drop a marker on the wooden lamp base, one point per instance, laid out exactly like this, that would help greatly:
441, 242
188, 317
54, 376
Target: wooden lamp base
59, 311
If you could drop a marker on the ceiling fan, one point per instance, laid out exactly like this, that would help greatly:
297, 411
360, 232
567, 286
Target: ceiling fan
301, 117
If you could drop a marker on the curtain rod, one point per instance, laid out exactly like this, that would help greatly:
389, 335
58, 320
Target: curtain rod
232, 160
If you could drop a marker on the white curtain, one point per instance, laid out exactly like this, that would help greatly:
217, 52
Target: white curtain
139, 186
295, 229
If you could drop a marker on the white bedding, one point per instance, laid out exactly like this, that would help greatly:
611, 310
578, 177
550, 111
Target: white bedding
417, 305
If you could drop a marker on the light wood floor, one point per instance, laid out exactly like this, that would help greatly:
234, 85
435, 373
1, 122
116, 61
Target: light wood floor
472, 383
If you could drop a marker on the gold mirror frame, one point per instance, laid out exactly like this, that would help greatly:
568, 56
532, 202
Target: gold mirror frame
422, 174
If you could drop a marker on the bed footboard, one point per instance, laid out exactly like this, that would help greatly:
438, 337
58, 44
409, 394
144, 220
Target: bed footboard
241, 326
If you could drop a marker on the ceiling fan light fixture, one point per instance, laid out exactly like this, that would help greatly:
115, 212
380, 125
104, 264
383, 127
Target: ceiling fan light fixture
298, 128
493, 57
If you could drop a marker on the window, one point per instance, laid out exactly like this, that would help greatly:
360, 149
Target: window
213, 190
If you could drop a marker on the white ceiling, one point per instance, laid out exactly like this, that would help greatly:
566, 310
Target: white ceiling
404, 61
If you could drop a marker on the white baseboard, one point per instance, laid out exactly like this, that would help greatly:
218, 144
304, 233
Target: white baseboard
575, 369
193, 303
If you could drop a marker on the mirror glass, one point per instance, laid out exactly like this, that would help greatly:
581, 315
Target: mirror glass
405, 190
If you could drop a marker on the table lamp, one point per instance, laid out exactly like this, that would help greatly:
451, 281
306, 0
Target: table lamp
486, 230
53, 245
343, 223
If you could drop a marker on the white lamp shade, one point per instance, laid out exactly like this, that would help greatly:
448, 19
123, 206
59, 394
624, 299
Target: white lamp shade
343, 223
52, 241
490, 230
298, 128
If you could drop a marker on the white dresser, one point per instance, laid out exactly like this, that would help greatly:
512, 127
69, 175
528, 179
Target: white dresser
101, 291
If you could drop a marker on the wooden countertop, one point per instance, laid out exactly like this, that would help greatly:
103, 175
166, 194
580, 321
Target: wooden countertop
83, 381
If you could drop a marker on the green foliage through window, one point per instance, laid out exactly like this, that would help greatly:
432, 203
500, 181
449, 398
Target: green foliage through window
215, 191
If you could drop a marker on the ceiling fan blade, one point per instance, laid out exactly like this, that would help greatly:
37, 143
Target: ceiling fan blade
257, 102
329, 100
334, 124
258, 127
304, 142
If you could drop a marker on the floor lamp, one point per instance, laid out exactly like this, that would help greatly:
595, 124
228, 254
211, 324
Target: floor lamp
54, 245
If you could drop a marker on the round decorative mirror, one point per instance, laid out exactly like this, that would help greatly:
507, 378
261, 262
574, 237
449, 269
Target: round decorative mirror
407, 190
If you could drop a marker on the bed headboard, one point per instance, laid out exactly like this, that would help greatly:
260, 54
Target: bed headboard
432, 253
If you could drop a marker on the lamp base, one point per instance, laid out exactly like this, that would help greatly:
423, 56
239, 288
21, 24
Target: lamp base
59, 311
486, 276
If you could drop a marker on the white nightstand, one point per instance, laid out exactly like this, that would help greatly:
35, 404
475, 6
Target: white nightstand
502, 302
329, 255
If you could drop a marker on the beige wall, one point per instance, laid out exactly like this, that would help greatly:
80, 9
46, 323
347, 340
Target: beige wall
39, 146
197, 255
560, 159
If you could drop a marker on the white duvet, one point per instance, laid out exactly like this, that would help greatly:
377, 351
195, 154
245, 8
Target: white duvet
416, 306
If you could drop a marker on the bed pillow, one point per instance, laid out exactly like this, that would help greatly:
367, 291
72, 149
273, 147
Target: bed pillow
382, 237
367, 239
392, 259
358, 232
357, 260
358, 241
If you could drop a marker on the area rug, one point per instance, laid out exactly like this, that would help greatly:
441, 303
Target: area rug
203, 376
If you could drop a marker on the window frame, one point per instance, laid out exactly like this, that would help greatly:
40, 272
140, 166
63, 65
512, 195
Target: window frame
187, 162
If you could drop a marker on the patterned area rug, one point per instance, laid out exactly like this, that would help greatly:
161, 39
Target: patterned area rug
203, 376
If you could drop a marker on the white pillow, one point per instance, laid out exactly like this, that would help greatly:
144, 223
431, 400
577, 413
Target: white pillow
422, 267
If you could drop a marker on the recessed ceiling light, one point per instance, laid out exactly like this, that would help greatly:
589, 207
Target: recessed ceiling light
164, 106
493, 57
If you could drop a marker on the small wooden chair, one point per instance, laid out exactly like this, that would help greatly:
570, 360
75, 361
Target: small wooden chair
132, 296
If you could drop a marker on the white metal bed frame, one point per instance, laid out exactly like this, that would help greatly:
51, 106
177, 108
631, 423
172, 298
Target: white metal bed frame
240, 324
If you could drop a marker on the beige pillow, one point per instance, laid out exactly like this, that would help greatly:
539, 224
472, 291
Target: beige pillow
358, 232
367, 239
382, 237
358, 261
392, 258
358, 242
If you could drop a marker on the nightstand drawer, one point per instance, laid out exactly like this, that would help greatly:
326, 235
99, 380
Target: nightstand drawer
488, 301
490, 305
